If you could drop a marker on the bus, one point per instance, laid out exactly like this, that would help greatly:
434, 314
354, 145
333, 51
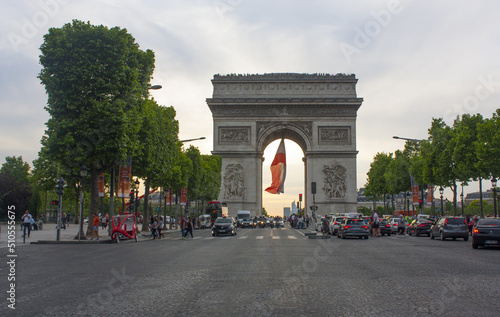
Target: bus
216, 209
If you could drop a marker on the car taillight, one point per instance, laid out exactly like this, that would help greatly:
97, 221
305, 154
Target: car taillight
347, 227
422, 225
475, 230
394, 224
446, 221
335, 223
364, 227
387, 226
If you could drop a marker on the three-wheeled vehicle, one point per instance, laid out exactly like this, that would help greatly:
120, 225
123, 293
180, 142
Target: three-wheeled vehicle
124, 227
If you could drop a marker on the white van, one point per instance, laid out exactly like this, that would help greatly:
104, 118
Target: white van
205, 221
242, 214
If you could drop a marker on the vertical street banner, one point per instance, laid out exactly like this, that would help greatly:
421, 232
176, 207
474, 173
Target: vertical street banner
100, 185
184, 195
124, 174
430, 193
167, 193
278, 170
414, 191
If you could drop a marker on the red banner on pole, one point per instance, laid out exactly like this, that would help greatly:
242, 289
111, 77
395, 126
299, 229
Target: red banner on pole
184, 195
430, 193
100, 184
124, 174
167, 196
415, 192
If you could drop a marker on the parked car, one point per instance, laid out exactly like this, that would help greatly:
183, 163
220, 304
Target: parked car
334, 224
385, 227
352, 228
449, 227
224, 225
486, 232
420, 226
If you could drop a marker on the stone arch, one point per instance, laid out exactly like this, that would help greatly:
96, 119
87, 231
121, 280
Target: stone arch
316, 111
288, 131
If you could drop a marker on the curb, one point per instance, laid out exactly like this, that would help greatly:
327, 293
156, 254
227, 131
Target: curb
71, 242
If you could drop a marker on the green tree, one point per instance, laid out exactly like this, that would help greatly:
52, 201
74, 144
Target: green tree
488, 146
96, 80
15, 189
377, 184
158, 148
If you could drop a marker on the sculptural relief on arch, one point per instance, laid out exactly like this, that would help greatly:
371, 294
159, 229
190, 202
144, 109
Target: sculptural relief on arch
317, 111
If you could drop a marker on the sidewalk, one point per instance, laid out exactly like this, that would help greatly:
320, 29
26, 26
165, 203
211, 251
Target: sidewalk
49, 235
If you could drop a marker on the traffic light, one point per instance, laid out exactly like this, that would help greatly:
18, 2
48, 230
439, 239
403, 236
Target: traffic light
313, 188
55, 203
300, 197
60, 186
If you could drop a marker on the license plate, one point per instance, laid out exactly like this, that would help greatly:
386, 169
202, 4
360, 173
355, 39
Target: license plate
491, 242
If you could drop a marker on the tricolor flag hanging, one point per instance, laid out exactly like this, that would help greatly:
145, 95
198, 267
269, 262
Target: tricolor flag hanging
278, 170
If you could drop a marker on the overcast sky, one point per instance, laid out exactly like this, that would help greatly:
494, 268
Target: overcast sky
415, 60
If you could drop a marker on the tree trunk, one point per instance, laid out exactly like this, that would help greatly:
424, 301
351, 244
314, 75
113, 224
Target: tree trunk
94, 197
145, 220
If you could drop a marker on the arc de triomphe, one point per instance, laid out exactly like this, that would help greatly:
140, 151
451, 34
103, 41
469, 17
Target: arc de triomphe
317, 111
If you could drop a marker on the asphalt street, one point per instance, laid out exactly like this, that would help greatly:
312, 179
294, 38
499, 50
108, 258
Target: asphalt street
258, 272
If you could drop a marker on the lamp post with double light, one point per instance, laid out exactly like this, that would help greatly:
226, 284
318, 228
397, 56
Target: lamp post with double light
494, 185
441, 191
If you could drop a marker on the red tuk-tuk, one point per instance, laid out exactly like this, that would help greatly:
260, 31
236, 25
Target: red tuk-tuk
124, 227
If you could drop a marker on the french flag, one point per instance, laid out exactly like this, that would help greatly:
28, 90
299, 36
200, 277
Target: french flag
278, 170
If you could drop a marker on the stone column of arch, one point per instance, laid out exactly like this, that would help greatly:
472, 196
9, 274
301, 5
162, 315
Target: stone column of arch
317, 111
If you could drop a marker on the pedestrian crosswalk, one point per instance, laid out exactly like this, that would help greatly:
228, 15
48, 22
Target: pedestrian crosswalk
241, 238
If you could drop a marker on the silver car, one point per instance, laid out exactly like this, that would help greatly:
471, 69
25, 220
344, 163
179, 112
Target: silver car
334, 224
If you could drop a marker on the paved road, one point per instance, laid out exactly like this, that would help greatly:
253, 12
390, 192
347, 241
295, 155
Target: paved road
259, 272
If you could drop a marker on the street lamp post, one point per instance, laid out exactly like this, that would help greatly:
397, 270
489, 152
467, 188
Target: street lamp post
462, 199
494, 185
136, 185
83, 174
441, 191
189, 140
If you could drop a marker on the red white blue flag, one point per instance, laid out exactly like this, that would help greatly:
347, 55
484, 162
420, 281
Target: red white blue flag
278, 170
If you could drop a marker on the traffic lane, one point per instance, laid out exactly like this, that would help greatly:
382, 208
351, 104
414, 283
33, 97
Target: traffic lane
275, 275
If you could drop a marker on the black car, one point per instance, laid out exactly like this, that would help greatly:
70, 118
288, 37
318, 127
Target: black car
420, 226
486, 233
385, 227
224, 225
449, 227
353, 227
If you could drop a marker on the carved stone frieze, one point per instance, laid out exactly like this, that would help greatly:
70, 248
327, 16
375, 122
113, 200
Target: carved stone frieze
334, 135
304, 126
234, 182
334, 184
234, 134
283, 111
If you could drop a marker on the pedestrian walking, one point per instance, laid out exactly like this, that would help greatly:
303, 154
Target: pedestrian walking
183, 227
376, 226
95, 225
63, 221
154, 227
189, 228
26, 222
160, 226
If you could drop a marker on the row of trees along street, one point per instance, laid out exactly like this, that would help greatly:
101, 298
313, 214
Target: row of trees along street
97, 80
469, 150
